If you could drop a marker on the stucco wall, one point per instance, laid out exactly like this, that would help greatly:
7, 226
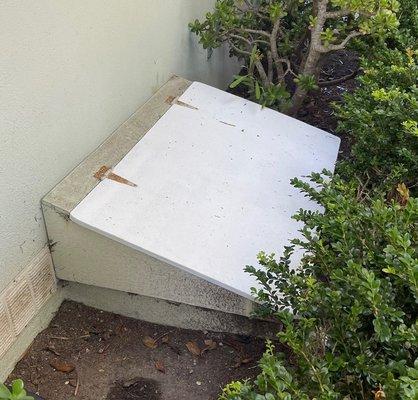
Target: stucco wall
70, 73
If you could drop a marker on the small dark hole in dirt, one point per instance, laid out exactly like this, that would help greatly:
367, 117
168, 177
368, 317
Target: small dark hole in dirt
135, 389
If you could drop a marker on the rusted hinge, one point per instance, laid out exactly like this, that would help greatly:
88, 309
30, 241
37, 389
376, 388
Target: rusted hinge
106, 173
175, 100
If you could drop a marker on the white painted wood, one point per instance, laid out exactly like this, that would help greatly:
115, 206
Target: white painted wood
212, 186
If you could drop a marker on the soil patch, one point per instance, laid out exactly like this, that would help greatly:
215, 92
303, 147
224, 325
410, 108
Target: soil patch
88, 354
140, 389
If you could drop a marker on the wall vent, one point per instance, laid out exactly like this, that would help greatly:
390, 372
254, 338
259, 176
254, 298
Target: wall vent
24, 296
6, 330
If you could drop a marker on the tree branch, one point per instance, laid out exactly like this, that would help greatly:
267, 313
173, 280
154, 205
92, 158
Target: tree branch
332, 47
257, 63
337, 81
270, 66
337, 14
256, 31
273, 47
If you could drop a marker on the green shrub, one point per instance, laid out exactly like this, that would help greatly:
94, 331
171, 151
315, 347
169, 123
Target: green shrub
407, 33
16, 392
349, 310
381, 116
281, 43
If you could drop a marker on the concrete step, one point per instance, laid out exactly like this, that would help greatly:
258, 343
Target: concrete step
184, 195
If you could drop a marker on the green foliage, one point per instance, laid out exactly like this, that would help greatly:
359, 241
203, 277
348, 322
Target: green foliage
266, 96
349, 310
280, 42
16, 392
381, 116
407, 33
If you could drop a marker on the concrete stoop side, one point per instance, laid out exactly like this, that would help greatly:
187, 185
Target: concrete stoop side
84, 256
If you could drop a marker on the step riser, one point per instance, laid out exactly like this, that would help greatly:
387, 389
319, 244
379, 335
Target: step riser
165, 312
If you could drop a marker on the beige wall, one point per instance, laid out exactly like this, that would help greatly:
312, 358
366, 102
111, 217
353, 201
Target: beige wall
70, 73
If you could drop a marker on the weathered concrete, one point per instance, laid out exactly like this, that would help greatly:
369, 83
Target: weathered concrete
83, 256
166, 312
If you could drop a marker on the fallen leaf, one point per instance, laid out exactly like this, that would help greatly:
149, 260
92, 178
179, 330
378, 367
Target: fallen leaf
193, 347
242, 360
165, 339
159, 365
149, 342
52, 350
211, 344
379, 394
62, 366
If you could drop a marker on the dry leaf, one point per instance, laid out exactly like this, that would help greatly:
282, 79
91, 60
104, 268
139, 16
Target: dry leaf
193, 347
210, 344
242, 360
165, 339
62, 366
404, 194
149, 342
159, 365
379, 394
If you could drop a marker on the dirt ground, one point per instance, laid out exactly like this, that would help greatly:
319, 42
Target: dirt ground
88, 354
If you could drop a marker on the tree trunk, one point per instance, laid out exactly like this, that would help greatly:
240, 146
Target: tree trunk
314, 55
309, 69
